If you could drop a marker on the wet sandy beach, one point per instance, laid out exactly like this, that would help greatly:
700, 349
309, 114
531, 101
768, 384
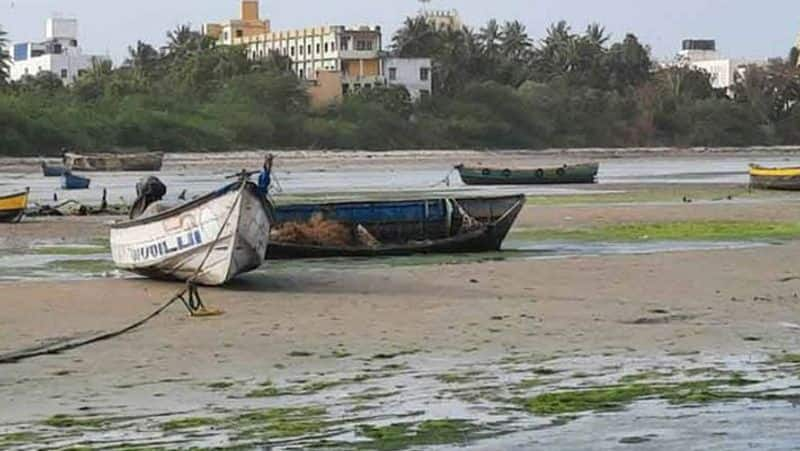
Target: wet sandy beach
660, 349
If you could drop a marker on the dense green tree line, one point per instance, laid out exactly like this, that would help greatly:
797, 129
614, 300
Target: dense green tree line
493, 88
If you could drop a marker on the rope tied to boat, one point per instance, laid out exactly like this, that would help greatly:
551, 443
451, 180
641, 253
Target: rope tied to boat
188, 295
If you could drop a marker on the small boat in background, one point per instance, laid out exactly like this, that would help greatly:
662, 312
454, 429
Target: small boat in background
71, 181
391, 228
12, 206
209, 240
52, 171
775, 178
566, 174
114, 162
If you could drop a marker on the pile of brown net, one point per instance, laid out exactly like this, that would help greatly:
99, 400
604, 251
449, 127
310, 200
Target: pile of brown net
317, 232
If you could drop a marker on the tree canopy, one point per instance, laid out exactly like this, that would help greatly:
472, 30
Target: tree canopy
493, 87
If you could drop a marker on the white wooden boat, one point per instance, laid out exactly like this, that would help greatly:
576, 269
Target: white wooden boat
233, 223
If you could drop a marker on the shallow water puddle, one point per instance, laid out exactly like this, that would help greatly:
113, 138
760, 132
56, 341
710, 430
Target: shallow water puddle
420, 401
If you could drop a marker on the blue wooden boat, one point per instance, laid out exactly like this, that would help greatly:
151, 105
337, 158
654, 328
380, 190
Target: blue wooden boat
425, 226
71, 181
52, 171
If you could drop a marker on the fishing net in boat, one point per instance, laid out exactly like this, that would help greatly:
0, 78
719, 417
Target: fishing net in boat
317, 231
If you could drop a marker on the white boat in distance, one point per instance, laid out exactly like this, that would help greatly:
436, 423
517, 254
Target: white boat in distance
209, 240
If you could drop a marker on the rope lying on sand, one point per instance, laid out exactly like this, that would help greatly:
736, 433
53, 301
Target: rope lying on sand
191, 304
58, 348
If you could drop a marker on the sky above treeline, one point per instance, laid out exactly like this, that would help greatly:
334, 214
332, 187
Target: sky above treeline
742, 28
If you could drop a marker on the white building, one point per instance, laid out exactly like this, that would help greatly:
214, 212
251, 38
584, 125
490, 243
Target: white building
443, 20
59, 53
413, 73
703, 55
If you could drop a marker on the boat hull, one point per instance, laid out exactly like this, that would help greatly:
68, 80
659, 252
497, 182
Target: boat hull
420, 227
786, 179
73, 182
181, 244
109, 162
12, 207
567, 174
52, 171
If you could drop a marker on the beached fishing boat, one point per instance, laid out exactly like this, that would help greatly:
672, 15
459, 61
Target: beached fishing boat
775, 178
566, 174
12, 206
114, 162
71, 181
209, 240
52, 171
384, 228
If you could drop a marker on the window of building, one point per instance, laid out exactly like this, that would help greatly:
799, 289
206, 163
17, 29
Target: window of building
424, 74
392, 73
309, 49
345, 43
300, 73
319, 48
326, 47
239, 33
363, 45
57, 49
291, 50
300, 49
73, 43
63, 73
225, 36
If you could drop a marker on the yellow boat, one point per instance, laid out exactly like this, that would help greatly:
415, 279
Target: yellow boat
775, 178
12, 207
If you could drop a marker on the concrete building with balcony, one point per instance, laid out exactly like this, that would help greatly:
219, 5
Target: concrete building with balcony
354, 52
59, 53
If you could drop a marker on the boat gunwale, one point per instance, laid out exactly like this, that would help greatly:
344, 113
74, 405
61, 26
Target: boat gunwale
594, 166
190, 205
20, 194
392, 201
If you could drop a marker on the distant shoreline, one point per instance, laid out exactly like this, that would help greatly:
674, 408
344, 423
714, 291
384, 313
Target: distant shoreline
303, 158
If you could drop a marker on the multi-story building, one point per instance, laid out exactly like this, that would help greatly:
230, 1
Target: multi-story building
412, 73
59, 53
443, 20
352, 51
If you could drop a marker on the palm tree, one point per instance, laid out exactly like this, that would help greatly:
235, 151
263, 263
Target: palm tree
490, 38
516, 44
416, 38
183, 40
596, 35
4, 58
141, 58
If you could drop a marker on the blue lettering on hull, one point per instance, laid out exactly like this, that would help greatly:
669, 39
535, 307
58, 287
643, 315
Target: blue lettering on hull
167, 247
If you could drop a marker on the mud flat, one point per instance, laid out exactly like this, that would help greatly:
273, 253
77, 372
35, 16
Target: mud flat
653, 350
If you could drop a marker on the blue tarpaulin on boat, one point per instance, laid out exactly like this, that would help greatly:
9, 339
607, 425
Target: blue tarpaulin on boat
368, 212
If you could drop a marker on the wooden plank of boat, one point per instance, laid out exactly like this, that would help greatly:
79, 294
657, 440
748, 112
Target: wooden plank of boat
436, 230
71, 181
113, 162
12, 206
52, 171
566, 174
775, 178
209, 240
